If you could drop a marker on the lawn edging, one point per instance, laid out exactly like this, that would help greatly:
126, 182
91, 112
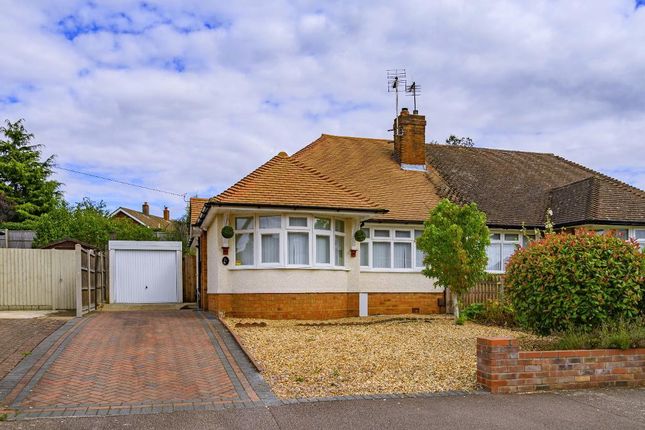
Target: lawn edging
258, 366
503, 368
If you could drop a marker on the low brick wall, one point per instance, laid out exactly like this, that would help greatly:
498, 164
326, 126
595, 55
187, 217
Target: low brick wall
503, 368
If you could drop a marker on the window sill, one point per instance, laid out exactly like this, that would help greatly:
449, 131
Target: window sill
367, 269
329, 268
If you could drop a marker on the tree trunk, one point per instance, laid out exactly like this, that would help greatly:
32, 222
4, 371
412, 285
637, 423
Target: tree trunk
455, 306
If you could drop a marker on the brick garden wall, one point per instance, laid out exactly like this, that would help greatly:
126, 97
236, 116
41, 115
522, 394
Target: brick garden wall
503, 368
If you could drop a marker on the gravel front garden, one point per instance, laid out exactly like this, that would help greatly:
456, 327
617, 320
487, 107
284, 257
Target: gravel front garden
372, 355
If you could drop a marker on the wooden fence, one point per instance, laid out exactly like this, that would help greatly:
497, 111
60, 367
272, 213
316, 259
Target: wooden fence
490, 289
17, 238
189, 275
52, 279
93, 279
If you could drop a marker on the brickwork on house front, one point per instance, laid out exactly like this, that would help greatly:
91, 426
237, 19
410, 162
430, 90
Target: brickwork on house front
319, 306
403, 303
503, 368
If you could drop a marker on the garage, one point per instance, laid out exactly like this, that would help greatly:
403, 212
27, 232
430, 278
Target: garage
145, 272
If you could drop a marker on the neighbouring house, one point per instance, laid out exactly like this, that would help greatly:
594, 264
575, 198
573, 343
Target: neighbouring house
161, 224
293, 253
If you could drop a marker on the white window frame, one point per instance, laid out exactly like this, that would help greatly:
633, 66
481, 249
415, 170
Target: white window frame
251, 231
504, 241
392, 239
283, 232
336, 233
274, 230
327, 233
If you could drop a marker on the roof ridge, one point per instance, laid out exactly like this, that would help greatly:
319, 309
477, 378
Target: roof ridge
331, 180
483, 148
608, 178
248, 177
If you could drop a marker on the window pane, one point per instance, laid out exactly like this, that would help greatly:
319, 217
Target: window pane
494, 253
297, 222
270, 222
243, 223
339, 250
527, 239
298, 248
340, 226
365, 254
381, 257
367, 232
270, 248
402, 233
420, 255
381, 233
418, 233
495, 236
640, 234
322, 249
511, 237
244, 249
622, 233
402, 255
507, 250
322, 224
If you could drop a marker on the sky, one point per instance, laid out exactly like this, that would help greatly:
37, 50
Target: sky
190, 96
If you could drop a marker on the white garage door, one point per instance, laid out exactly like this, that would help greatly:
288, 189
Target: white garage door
145, 275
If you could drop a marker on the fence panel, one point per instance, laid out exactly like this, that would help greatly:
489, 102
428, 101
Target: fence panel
52, 279
189, 275
36, 279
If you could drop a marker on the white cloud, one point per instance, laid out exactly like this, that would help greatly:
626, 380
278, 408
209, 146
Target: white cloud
190, 96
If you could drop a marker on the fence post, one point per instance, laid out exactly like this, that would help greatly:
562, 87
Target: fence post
79, 280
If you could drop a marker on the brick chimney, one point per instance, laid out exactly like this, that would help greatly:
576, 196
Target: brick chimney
410, 140
145, 208
166, 213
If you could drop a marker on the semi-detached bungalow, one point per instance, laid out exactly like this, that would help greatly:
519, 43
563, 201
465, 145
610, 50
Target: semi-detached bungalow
293, 254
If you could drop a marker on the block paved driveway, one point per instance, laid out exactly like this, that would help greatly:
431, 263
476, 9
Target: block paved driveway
131, 362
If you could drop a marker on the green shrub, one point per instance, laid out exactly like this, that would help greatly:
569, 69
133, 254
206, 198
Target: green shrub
492, 312
565, 282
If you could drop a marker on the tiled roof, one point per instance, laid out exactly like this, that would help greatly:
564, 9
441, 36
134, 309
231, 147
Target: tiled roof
196, 206
152, 221
367, 166
286, 182
515, 187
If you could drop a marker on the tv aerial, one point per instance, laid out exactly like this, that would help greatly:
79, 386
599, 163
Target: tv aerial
396, 80
413, 91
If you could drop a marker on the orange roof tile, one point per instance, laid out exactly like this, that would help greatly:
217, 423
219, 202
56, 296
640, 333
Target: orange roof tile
196, 206
367, 166
286, 182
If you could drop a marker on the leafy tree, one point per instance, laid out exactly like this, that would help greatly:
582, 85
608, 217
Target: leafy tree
88, 222
460, 141
6, 209
24, 178
454, 241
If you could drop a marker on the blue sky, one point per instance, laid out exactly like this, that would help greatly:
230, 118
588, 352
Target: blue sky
189, 96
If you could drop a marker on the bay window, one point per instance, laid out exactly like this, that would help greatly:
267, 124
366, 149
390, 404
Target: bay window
283, 241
